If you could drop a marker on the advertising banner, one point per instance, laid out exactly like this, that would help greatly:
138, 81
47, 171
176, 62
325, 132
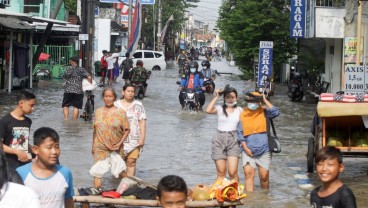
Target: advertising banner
297, 18
350, 50
265, 62
356, 80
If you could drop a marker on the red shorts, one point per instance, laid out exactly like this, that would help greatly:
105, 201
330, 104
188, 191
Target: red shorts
103, 72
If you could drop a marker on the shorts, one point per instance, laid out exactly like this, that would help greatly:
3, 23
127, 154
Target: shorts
73, 99
134, 154
103, 72
224, 145
110, 74
263, 160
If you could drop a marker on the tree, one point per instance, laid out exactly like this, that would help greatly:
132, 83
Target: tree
243, 24
169, 7
71, 6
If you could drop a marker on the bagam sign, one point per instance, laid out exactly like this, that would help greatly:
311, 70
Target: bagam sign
297, 18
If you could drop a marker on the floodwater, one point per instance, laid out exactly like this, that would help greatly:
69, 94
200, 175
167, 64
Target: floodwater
179, 142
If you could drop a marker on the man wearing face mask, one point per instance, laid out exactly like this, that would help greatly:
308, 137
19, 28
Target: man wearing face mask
252, 136
193, 80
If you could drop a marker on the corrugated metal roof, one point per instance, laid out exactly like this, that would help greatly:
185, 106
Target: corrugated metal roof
15, 24
5, 12
48, 20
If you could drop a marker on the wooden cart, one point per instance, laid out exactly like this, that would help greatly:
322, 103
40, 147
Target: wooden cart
341, 121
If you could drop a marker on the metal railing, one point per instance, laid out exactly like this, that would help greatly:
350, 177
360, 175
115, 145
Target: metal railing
330, 3
59, 57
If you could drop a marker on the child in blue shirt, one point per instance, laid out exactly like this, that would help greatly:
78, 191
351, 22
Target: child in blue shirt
53, 183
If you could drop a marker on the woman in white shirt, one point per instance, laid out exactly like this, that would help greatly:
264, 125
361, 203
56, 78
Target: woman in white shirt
225, 147
137, 121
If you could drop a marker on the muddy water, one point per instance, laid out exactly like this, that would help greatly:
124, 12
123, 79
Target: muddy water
179, 142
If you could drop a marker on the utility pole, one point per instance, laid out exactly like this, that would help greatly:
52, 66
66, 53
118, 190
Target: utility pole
154, 27
359, 26
130, 20
159, 25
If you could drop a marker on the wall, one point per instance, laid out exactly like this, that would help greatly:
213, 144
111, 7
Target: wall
102, 37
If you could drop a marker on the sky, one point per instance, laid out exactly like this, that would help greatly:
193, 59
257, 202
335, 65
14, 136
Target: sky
207, 11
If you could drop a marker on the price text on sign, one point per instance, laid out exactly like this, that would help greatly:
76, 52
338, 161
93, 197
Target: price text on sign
356, 80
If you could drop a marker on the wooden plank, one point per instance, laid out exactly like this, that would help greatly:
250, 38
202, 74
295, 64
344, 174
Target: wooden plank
148, 203
140, 181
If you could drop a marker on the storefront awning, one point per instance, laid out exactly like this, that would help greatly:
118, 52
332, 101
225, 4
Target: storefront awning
14, 24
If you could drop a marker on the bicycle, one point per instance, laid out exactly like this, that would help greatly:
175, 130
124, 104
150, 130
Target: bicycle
87, 114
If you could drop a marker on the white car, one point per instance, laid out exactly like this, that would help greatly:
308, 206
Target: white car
152, 60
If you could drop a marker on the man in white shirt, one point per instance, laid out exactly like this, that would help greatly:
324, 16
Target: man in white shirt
110, 59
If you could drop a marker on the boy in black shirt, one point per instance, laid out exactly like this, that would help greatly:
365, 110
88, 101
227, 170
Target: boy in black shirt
333, 193
15, 130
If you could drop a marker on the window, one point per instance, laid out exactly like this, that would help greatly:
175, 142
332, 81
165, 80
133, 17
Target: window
148, 55
137, 55
158, 55
5, 2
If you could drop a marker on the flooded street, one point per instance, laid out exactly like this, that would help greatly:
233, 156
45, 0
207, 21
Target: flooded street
179, 143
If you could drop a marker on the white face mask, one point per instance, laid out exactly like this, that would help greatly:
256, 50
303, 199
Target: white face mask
230, 104
253, 106
204, 67
192, 70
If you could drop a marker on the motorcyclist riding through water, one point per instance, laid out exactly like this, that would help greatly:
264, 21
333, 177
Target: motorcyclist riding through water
193, 80
209, 75
139, 75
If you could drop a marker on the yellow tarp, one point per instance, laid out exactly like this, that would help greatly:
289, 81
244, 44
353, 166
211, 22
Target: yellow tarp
331, 109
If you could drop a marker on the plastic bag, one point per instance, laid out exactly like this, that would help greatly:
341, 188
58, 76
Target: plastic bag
117, 164
86, 85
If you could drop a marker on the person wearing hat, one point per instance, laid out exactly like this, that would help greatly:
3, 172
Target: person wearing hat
252, 136
73, 94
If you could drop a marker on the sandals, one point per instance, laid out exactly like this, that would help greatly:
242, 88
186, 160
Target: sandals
93, 191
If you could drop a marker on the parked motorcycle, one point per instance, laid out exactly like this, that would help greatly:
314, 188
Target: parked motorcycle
296, 91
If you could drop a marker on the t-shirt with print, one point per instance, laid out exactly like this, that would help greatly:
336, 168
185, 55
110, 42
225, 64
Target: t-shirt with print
52, 191
16, 135
229, 122
342, 198
135, 112
191, 82
74, 77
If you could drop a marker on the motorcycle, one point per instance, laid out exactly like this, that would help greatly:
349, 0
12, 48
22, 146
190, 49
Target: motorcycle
210, 88
190, 101
140, 91
296, 92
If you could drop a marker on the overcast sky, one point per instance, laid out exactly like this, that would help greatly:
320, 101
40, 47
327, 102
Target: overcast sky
207, 12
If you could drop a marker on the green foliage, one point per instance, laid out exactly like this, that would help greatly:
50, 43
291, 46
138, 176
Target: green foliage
175, 7
243, 24
71, 6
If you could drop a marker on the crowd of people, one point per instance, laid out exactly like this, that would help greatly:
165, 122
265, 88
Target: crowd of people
119, 131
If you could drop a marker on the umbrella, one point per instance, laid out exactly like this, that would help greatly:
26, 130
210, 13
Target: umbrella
43, 57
